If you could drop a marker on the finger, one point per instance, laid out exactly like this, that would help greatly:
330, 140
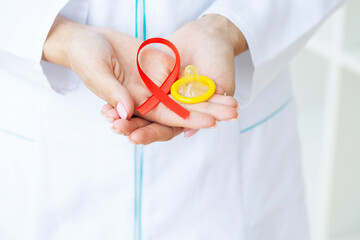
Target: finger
220, 112
226, 100
110, 120
197, 120
126, 127
154, 132
112, 113
188, 132
106, 108
111, 90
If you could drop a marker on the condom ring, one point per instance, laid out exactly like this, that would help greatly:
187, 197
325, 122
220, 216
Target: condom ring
193, 88
202, 98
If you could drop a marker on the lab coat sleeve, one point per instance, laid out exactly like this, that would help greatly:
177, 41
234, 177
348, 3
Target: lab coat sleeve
24, 26
274, 29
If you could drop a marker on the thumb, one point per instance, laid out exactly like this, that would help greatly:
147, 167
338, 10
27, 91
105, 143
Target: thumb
123, 102
113, 92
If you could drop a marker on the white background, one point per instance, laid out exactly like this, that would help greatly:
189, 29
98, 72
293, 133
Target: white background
326, 77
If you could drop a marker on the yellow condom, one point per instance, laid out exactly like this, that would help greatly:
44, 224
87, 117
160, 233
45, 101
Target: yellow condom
192, 88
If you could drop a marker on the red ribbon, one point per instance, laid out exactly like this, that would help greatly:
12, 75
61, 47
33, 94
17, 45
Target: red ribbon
160, 94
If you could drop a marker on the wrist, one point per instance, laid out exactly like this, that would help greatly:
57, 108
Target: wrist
62, 33
222, 26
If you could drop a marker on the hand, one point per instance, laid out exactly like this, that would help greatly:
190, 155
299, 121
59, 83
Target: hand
92, 57
210, 43
105, 60
141, 131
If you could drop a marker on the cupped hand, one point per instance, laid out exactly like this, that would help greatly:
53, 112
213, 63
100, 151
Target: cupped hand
141, 131
158, 65
106, 62
210, 43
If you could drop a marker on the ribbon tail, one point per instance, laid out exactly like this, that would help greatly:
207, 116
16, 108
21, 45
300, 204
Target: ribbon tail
148, 105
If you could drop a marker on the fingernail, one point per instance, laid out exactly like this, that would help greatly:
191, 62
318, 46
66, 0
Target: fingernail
214, 126
121, 111
237, 118
190, 132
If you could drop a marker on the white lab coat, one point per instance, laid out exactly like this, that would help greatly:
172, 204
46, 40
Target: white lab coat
242, 180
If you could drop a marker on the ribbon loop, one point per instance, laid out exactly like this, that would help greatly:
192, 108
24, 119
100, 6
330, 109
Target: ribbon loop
160, 94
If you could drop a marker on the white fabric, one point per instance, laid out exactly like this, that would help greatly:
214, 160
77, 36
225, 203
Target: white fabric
284, 28
24, 26
219, 184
